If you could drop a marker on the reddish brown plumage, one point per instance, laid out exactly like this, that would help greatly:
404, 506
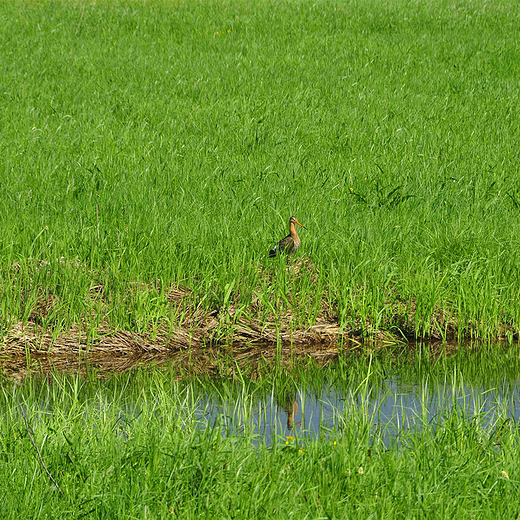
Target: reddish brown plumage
290, 243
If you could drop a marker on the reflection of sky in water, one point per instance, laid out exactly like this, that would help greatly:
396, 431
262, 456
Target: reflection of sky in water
393, 409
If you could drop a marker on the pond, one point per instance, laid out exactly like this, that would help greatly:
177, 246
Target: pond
394, 397
393, 407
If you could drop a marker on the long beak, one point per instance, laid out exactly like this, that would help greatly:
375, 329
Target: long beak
300, 224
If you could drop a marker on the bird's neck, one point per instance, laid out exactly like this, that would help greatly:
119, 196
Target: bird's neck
292, 229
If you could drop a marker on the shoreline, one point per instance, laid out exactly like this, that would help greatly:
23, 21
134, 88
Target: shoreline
206, 342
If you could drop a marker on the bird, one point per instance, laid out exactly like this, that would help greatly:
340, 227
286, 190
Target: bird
291, 242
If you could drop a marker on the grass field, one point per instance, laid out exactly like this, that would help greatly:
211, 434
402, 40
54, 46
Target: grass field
172, 140
138, 446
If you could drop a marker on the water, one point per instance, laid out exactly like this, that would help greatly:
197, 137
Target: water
483, 387
393, 408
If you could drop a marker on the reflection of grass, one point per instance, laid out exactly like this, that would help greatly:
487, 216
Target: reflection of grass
135, 446
145, 140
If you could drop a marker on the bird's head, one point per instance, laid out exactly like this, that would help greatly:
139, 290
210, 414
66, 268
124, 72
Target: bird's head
294, 220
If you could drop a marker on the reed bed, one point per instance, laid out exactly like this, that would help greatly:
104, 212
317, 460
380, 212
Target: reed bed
171, 141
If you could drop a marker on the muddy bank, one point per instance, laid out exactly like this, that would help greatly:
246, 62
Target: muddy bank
28, 349
197, 327
203, 343
202, 351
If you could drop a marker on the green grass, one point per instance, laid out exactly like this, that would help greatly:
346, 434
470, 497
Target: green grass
173, 140
136, 447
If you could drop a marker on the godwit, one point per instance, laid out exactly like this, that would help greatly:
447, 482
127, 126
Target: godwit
291, 242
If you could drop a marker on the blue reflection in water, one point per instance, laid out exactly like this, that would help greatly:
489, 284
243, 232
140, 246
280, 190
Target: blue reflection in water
392, 409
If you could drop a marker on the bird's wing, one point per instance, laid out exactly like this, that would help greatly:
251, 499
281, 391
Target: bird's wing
285, 243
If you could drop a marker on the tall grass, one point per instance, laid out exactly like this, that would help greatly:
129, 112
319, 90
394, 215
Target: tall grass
138, 446
173, 140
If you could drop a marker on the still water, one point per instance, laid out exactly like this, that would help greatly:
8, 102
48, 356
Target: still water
392, 409
483, 387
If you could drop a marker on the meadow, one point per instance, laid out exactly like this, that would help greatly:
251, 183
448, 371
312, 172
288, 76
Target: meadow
152, 152
171, 140
143, 445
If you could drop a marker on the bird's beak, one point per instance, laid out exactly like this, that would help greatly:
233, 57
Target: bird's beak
300, 224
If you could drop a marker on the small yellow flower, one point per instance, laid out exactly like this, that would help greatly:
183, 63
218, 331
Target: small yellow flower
229, 30
286, 442
300, 451
351, 189
360, 470
335, 443
290, 437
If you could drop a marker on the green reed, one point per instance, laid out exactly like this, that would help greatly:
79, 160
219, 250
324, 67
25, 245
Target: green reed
173, 140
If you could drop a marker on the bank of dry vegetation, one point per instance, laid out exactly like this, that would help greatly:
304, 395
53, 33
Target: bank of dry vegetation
201, 339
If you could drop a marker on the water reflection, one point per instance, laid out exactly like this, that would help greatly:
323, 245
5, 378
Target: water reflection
291, 409
392, 409
18, 368
387, 402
